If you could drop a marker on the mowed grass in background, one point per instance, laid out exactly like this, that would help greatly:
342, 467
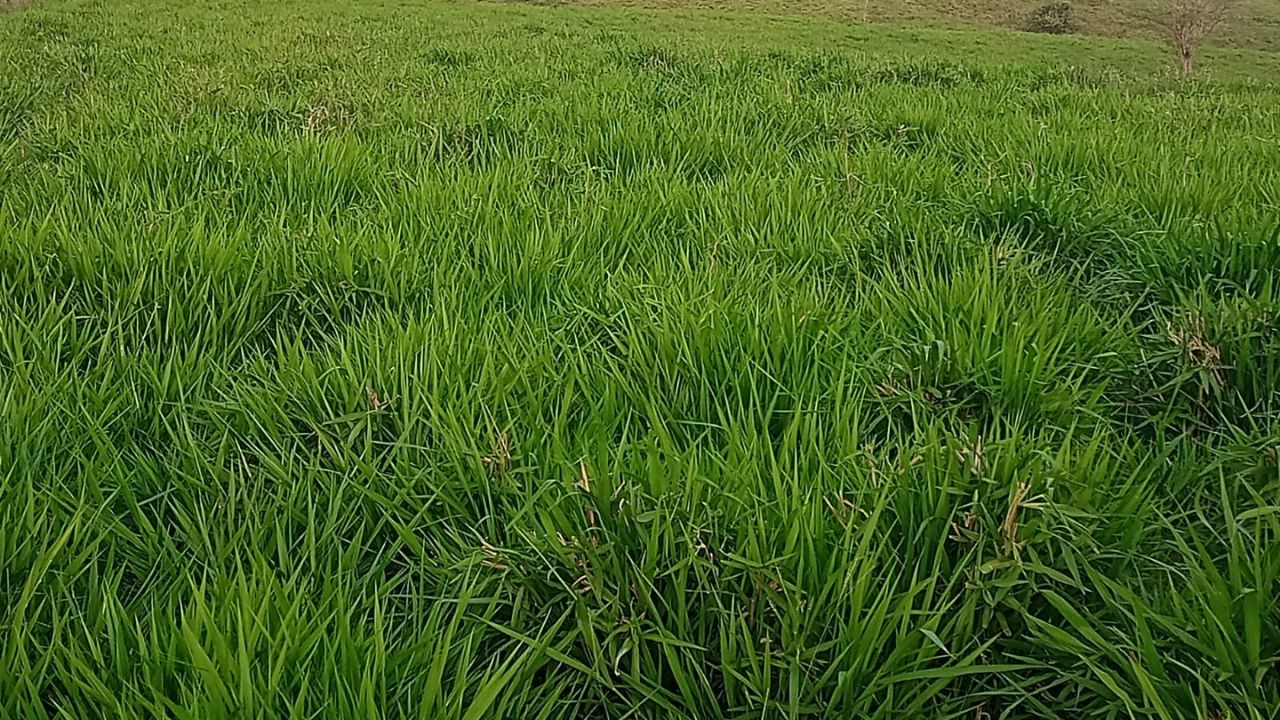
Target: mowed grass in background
1250, 23
452, 361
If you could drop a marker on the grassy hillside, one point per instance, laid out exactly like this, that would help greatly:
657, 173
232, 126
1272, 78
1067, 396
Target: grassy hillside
400, 359
1253, 24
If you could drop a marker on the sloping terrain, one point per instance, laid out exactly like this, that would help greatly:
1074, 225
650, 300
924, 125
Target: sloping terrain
1253, 24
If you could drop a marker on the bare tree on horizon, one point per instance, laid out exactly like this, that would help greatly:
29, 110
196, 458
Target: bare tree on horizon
1189, 22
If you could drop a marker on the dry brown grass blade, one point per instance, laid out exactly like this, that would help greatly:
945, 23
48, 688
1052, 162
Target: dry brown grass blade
584, 483
1010, 524
498, 461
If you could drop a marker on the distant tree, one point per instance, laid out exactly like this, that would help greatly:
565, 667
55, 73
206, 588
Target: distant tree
1189, 22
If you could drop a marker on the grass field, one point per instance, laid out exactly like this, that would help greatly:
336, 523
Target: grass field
379, 360
1251, 24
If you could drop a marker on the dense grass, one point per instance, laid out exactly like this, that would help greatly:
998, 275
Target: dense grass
450, 361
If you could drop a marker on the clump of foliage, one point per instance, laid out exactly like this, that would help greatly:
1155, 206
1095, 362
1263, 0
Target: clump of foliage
1055, 18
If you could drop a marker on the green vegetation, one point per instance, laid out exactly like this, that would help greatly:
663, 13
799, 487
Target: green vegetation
1253, 23
459, 361
1054, 18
